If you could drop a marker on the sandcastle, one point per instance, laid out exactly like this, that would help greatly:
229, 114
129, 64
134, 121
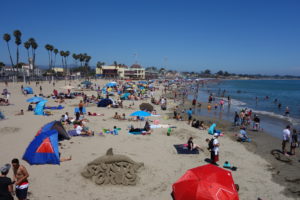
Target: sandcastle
112, 169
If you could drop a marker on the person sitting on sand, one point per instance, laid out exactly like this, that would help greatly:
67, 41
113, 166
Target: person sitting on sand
192, 146
117, 116
202, 126
20, 113
123, 116
242, 136
83, 130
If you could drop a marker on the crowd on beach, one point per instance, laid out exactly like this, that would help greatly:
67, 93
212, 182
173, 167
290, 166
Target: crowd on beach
115, 95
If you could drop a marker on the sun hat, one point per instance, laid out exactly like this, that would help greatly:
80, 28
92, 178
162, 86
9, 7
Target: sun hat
216, 135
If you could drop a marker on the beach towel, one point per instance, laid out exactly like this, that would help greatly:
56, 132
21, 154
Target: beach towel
183, 149
55, 107
77, 110
74, 134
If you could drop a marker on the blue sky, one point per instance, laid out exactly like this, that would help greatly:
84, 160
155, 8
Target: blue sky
254, 36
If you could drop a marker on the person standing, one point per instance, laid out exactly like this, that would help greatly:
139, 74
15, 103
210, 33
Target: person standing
6, 185
80, 106
215, 150
189, 113
285, 138
21, 176
41, 89
294, 142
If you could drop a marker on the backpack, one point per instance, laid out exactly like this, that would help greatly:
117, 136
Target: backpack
211, 144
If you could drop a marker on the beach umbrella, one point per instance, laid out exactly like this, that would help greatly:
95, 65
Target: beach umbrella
207, 182
140, 114
35, 99
146, 107
111, 84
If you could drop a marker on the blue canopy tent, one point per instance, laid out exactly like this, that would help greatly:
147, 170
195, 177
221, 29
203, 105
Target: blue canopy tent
43, 149
39, 109
28, 90
35, 99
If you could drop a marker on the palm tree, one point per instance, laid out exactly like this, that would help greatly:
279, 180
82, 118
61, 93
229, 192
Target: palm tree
47, 47
51, 48
18, 41
81, 59
34, 46
62, 53
75, 57
6, 38
66, 55
55, 53
27, 46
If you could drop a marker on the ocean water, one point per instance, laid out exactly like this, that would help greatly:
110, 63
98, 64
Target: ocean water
253, 94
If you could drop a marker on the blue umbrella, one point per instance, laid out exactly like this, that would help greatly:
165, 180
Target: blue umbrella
140, 114
111, 84
35, 99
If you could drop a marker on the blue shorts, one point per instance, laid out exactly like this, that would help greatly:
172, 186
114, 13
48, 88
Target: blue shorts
21, 193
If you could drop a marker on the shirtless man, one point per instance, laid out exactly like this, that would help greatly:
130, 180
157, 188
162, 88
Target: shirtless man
20, 176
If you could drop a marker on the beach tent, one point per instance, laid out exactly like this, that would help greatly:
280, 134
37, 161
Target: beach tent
55, 125
43, 149
104, 102
39, 109
29, 90
207, 182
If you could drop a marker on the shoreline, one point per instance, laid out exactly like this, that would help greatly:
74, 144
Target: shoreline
285, 170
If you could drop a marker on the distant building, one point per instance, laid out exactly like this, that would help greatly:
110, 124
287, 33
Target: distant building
58, 69
122, 72
151, 74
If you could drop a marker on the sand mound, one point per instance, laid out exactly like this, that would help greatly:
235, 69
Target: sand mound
114, 169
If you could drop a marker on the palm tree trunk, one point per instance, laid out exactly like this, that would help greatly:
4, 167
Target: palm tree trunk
17, 66
49, 59
54, 60
11, 60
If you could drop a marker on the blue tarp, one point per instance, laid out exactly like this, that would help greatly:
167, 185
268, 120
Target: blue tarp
104, 102
29, 90
43, 149
39, 109
77, 110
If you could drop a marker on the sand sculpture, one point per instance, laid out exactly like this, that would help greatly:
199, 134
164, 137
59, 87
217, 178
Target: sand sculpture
112, 169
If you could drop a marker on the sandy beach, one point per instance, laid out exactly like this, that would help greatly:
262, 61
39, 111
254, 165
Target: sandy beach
259, 174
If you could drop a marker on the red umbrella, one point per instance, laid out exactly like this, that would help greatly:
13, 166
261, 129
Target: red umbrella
207, 182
